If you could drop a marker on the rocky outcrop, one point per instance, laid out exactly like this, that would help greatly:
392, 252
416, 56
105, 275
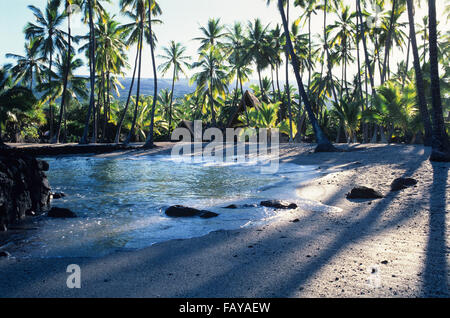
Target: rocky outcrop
24, 188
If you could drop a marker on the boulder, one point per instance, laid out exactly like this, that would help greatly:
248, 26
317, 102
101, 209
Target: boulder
5, 254
179, 211
58, 195
277, 204
60, 213
402, 183
362, 192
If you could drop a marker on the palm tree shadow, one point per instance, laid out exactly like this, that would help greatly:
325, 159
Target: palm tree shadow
436, 268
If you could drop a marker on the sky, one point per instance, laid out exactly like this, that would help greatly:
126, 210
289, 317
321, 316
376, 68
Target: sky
182, 19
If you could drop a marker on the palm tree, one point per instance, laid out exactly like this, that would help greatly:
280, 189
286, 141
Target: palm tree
258, 48
441, 143
324, 144
65, 82
67, 70
137, 30
211, 34
49, 38
419, 76
29, 67
12, 99
238, 59
174, 58
153, 9
213, 76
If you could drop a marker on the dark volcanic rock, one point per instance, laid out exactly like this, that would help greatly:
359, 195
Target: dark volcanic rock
178, 211
362, 192
231, 206
277, 204
60, 213
23, 186
58, 195
402, 183
208, 215
5, 254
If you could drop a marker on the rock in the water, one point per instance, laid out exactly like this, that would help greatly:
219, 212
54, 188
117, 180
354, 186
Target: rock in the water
61, 213
58, 195
5, 254
231, 206
208, 215
179, 211
402, 183
362, 192
277, 204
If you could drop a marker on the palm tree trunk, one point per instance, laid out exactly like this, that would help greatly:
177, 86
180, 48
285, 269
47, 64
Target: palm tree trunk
387, 45
441, 143
149, 141
323, 143
119, 128
66, 75
366, 52
171, 100
51, 100
288, 88
84, 138
138, 91
423, 108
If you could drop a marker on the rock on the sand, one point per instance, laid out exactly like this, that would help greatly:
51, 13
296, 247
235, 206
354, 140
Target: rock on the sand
402, 183
277, 204
178, 211
61, 213
362, 192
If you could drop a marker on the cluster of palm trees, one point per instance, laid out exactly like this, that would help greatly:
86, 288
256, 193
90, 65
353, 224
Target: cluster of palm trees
377, 102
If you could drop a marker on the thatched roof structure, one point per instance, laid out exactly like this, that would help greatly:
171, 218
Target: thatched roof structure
248, 101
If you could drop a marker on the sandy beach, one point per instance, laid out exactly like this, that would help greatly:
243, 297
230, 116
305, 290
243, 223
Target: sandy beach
396, 246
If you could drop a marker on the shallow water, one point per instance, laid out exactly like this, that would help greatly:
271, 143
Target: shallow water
120, 203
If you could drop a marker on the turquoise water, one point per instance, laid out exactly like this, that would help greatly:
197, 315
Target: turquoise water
120, 203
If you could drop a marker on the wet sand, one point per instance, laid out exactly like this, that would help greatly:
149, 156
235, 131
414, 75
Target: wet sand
391, 247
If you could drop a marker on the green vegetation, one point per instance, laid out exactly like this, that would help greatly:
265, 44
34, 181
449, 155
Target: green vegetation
380, 103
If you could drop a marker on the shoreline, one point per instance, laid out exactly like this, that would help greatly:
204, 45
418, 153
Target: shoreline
322, 255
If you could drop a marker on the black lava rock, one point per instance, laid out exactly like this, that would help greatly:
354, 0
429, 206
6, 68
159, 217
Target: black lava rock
402, 183
362, 192
60, 213
178, 211
277, 204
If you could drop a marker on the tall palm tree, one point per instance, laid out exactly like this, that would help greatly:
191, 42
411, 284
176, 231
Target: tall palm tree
211, 34
441, 143
176, 59
135, 10
68, 54
50, 38
213, 76
258, 48
422, 102
153, 9
324, 144
29, 67
65, 82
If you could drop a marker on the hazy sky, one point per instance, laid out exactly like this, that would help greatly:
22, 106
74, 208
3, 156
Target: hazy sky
182, 19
